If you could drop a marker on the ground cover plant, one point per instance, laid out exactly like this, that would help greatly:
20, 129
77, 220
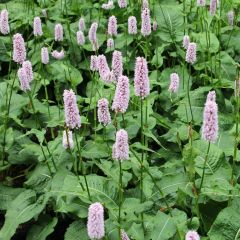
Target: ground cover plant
119, 119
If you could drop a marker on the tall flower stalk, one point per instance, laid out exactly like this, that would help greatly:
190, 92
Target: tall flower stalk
142, 90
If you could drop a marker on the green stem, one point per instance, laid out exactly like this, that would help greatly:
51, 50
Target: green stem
142, 159
188, 93
120, 198
82, 169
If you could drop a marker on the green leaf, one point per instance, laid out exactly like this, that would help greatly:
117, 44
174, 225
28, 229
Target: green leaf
75, 230
163, 227
22, 209
43, 228
227, 225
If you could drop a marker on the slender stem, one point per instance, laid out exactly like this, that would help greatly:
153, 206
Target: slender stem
142, 159
204, 167
120, 198
82, 169
38, 124
8, 105
188, 93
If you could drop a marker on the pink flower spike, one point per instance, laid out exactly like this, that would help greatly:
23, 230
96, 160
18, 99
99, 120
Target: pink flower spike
145, 4
122, 95
37, 27
122, 3
124, 235
19, 51
186, 41
213, 7
146, 22
27, 65
121, 145
94, 63
92, 34
132, 25
67, 140
81, 24
44, 13
72, 116
58, 32
110, 43
155, 25
191, 55
174, 83
104, 116
44, 55
95, 223
103, 68
112, 26
58, 55
4, 25
24, 82
230, 16
211, 96
108, 5
210, 121
117, 66
201, 3
114, 152
192, 235
80, 38
141, 80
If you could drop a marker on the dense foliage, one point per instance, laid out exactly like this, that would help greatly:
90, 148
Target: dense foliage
174, 180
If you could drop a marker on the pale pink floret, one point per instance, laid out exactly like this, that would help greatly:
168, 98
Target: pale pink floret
27, 65
122, 3
141, 80
4, 25
80, 38
81, 24
94, 63
145, 4
192, 235
95, 223
92, 34
117, 66
44, 13
108, 5
211, 96
58, 55
186, 41
230, 16
213, 7
122, 95
37, 27
110, 43
121, 145
67, 140
112, 26
191, 54
104, 116
44, 55
19, 51
201, 3
72, 116
103, 68
132, 25
58, 32
146, 22
155, 25
124, 235
174, 83
210, 121
24, 82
